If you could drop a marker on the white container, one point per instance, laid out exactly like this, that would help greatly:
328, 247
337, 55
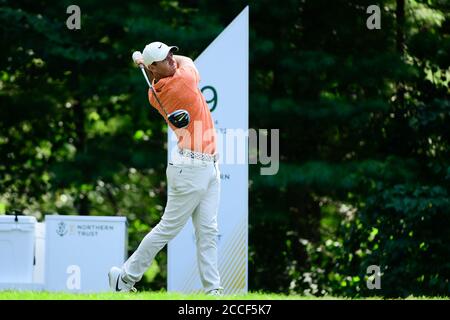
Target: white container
17, 249
80, 250
39, 254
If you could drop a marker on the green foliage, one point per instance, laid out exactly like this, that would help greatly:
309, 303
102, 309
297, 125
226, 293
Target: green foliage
404, 230
77, 135
354, 113
363, 118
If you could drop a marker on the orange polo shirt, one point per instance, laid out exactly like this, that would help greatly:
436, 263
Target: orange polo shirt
181, 91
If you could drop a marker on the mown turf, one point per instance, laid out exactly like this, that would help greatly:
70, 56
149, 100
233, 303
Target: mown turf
163, 295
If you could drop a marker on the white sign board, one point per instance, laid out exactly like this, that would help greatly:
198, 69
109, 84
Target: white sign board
80, 250
223, 68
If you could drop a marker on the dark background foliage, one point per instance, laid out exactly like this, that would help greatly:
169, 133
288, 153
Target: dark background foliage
363, 118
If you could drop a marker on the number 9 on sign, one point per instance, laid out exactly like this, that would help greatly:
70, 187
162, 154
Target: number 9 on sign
210, 96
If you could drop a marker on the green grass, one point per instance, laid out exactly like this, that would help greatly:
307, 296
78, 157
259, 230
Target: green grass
158, 295
163, 295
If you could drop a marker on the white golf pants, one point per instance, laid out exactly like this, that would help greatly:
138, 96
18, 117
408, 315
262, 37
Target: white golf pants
193, 191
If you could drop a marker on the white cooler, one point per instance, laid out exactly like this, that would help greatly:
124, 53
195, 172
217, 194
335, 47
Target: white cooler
17, 249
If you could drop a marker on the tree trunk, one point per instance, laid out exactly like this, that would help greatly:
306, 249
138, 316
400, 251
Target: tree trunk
82, 201
82, 204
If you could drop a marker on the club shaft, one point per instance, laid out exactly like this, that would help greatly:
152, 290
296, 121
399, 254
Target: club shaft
151, 87
145, 76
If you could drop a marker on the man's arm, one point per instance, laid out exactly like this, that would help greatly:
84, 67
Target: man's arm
137, 58
183, 61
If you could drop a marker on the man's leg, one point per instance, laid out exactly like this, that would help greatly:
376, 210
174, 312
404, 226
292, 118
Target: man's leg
204, 219
183, 198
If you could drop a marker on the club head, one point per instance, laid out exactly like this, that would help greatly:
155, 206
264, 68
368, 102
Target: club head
179, 118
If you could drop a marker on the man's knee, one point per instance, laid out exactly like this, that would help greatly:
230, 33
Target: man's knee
207, 232
169, 229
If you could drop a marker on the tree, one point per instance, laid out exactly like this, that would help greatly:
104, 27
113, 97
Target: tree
362, 116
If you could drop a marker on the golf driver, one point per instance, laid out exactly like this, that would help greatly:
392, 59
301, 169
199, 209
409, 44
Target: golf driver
179, 118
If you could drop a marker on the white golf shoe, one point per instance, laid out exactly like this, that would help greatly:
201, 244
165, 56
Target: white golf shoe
215, 292
116, 283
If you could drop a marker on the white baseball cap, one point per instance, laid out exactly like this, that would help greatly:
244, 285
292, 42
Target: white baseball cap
156, 51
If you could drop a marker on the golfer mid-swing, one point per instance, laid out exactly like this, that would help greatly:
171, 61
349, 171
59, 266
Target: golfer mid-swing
193, 177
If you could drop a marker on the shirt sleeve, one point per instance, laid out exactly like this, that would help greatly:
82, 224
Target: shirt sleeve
189, 75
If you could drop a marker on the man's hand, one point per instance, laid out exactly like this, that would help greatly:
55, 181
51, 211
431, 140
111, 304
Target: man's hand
139, 61
137, 58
